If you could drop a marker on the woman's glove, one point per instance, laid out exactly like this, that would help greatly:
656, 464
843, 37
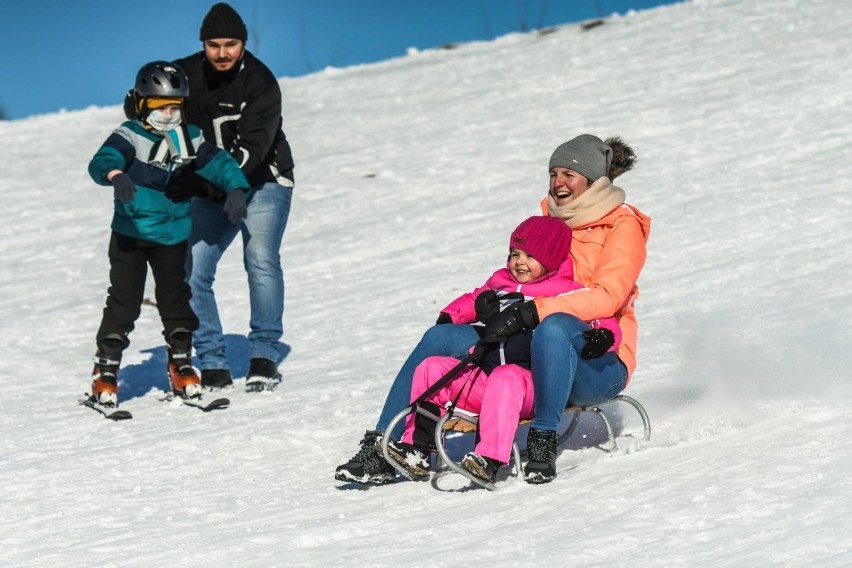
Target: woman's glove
123, 187
235, 206
515, 318
598, 342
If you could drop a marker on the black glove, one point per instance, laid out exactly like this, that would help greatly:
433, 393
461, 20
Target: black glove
183, 187
235, 206
487, 305
598, 342
443, 318
123, 187
515, 318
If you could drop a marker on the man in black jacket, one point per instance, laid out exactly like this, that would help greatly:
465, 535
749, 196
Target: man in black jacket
236, 101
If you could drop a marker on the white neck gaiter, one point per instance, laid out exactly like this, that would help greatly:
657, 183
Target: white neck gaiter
159, 121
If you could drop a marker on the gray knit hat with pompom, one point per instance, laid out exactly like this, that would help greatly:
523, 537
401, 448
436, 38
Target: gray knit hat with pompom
586, 154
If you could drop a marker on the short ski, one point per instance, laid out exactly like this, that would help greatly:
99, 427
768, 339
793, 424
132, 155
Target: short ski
111, 412
203, 404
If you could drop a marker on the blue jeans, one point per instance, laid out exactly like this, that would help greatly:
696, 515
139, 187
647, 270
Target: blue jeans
262, 231
557, 369
562, 378
449, 340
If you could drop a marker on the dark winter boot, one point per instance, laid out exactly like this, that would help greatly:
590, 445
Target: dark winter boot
482, 467
424, 428
415, 461
182, 375
263, 375
215, 379
105, 374
541, 451
367, 466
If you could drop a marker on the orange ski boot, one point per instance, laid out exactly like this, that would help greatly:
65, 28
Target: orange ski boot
105, 374
183, 377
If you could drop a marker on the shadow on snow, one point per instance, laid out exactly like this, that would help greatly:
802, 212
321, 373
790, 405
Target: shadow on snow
137, 380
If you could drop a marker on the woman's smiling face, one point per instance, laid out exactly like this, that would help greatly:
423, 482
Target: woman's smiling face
566, 185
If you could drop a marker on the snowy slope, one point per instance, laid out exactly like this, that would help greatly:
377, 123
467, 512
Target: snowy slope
410, 175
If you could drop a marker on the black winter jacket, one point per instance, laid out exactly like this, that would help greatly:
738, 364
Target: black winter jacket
240, 110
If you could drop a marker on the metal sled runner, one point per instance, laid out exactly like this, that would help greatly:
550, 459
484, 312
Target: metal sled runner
466, 423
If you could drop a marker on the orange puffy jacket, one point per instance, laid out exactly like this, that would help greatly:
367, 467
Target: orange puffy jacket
608, 255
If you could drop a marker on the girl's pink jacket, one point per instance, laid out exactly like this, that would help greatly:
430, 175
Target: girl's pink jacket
462, 309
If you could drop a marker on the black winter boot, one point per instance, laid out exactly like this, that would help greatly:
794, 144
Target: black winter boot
483, 467
415, 461
262, 375
541, 451
216, 378
424, 428
367, 466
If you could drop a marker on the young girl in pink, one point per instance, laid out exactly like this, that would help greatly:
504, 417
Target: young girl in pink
500, 387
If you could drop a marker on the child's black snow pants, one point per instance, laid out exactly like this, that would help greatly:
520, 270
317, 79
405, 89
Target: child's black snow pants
129, 259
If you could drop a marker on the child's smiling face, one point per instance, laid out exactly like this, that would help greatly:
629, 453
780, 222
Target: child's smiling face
523, 267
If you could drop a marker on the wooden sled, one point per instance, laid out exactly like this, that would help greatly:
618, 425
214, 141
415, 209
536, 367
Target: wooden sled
464, 422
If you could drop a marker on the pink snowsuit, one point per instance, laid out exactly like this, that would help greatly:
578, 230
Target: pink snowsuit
506, 395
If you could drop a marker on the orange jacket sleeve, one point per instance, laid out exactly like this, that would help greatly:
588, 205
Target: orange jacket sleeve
608, 257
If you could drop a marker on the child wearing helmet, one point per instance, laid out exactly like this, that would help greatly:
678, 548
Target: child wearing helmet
139, 160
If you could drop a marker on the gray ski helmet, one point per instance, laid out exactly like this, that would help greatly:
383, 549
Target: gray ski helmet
161, 79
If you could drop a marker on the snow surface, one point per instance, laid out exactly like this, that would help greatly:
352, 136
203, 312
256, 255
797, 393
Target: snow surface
411, 174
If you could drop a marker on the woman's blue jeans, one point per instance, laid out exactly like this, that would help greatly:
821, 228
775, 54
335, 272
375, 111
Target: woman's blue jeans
560, 376
268, 209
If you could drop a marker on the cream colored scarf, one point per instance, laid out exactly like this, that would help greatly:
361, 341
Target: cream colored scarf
601, 198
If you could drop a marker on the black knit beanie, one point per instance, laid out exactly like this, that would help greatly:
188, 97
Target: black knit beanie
223, 22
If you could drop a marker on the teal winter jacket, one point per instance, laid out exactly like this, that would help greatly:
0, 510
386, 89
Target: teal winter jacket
153, 160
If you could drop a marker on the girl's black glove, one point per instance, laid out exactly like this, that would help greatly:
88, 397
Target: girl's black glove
443, 318
515, 318
487, 305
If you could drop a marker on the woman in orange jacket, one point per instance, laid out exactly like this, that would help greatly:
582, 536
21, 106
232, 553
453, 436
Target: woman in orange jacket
608, 249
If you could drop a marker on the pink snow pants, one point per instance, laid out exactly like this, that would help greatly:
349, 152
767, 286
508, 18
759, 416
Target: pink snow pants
501, 399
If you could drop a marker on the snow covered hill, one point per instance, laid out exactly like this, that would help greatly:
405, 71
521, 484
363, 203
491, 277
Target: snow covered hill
410, 175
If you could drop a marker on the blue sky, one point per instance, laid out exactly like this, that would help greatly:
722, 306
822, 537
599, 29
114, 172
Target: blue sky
70, 55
